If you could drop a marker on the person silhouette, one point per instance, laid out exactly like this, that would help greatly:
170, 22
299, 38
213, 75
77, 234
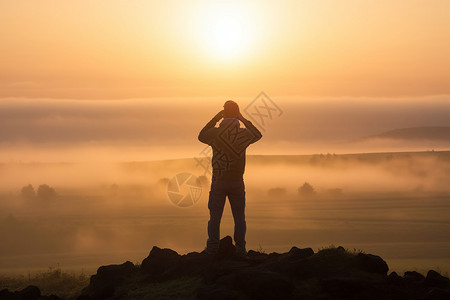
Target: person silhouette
229, 143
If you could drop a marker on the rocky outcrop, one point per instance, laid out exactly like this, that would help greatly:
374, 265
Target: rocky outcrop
332, 273
103, 284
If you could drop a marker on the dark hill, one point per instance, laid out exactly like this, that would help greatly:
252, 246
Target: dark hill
331, 273
416, 133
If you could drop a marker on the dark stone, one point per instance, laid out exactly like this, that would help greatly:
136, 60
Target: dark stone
340, 249
297, 253
216, 292
297, 274
435, 279
255, 255
413, 276
50, 297
226, 248
6, 294
193, 263
394, 278
259, 284
345, 287
103, 284
437, 294
160, 260
290, 263
84, 297
273, 255
372, 264
223, 268
31, 292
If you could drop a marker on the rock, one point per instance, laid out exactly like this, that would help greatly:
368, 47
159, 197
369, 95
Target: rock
331, 273
290, 263
51, 297
160, 261
223, 268
103, 284
341, 249
297, 253
394, 278
413, 276
31, 292
372, 263
434, 279
5, 294
437, 294
255, 255
84, 297
216, 292
263, 284
226, 248
344, 287
193, 263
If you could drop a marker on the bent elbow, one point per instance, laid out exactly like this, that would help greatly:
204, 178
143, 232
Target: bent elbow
258, 136
202, 139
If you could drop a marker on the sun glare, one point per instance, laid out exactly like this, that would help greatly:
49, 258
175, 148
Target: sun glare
225, 30
226, 37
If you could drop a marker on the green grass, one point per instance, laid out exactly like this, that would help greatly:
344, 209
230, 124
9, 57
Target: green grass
52, 281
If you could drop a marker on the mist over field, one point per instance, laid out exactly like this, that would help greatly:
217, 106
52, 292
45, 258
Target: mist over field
81, 215
85, 183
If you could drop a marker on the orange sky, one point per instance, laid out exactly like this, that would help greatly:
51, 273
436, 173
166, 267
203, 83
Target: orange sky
126, 49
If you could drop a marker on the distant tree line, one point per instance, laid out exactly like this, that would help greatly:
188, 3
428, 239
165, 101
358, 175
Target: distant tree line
43, 192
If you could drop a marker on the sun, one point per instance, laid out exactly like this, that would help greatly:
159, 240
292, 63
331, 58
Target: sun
226, 37
225, 30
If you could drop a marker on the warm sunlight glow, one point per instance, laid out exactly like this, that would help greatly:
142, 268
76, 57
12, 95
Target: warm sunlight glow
224, 31
226, 37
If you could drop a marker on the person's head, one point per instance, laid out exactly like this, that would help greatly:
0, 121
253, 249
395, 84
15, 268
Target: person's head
230, 109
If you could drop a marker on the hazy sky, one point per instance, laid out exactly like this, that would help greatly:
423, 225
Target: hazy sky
125, 49
139, 79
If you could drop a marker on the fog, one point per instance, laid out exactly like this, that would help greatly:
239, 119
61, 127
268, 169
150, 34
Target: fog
85, 183
64, 130
82, 215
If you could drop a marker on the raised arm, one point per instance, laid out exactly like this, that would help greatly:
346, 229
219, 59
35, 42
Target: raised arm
249, 125
206, 135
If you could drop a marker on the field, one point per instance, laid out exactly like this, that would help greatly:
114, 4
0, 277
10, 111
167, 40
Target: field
396, 205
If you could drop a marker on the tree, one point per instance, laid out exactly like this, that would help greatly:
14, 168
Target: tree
306, 190
28, 192
46, 192
276, 192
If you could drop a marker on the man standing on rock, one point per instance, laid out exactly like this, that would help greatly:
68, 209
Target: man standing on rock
228, 142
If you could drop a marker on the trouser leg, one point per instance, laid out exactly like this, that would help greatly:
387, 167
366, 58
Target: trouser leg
237, 203
216, 205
